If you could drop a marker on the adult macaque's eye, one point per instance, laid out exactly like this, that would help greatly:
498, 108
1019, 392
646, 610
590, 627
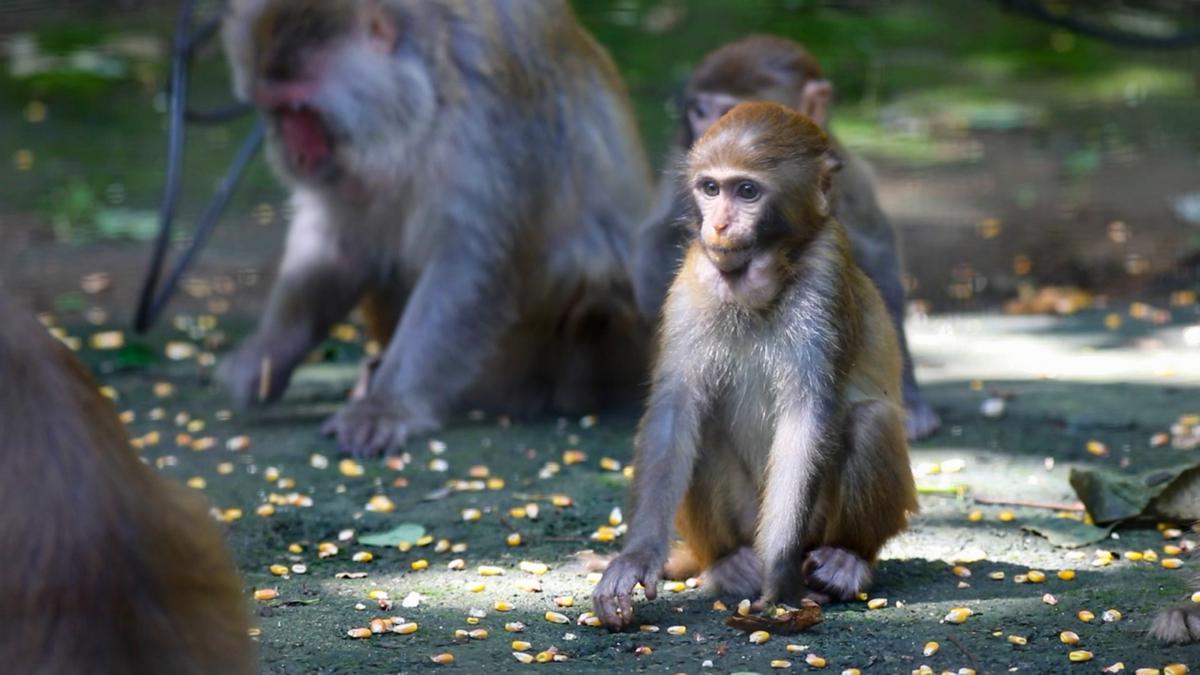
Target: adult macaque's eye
710, 188
748, 191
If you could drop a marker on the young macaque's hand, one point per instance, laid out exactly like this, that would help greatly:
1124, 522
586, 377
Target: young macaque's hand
375, 424
613, 598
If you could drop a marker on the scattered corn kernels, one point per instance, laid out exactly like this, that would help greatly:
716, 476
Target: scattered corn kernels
1175, 669
1172, 563
513, 539
1066, 575
266, 594
555, 617
406, 628
1068, 637
278, 570
958, 615
759, 637
502, 606
1018, 640
677, 630
815, 661
418, 565
877, 603
1085, 616
781, 663
1036, 576
975, 516
1007, 516
931, 648
443, 659
565, 601
1079, 656
359, 633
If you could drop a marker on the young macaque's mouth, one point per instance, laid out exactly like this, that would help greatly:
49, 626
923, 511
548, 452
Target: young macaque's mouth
308, 141
730, 261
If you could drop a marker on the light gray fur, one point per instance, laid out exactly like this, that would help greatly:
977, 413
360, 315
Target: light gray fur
448, 183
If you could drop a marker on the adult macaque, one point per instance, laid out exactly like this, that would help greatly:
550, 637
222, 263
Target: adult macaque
470, 171
109, 567
774, 432
769, 68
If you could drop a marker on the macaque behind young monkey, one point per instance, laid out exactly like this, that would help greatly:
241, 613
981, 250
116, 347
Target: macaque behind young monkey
774, 430
108, 567
470, 172
771, 68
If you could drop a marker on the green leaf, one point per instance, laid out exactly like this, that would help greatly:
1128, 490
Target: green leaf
1170, 492
409, 532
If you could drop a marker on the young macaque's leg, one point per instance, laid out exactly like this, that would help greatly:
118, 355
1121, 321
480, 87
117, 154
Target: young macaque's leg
318, 285
461, 305
717, 520
860, 517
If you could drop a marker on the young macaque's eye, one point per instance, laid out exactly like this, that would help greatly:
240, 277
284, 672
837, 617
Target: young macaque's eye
710, 188
747, 191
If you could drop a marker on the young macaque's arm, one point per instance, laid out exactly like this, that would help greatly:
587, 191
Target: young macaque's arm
666, 453
463, 302
319, 283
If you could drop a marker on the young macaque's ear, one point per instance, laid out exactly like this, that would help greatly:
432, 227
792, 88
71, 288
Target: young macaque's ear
815, 100
828, 165
381, 28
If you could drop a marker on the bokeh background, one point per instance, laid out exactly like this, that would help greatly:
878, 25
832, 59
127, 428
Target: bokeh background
1012, 154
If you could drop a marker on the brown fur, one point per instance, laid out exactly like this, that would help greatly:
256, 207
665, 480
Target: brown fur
774, 431
109, 567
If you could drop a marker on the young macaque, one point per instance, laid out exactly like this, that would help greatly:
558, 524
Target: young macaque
108, 566
769, 68
774, 432
470, 172
1177, 624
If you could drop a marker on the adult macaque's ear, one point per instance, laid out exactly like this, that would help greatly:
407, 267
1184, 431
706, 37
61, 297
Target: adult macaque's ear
381, 27
815, 100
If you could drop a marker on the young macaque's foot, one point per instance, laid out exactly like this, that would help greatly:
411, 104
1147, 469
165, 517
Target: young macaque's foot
836, 572
922, 421
612, 600
1177, 625
737, 575
374, 425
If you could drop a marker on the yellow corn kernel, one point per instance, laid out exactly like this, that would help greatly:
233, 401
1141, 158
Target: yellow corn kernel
1007, 516
958, 615
456, 565
814, 661
406, 628
363, 556
1068, 637
479, 634
609, 464
523, 657
1110, 616
418, 565
643, 650
266, 594
877, 603
513, 539
381, 504
1172, 549
615, 517
535, 568
514, 627
1175, 669
1079, 655
443, 659
975, 516
781, 663
1018, 640
960, 571
1066, 575
521, 646
265, 511
719, 606
1085, 616
675, 586
474, 587
279, 570
489, 571
574, 457
555, 617
1036, 576
998, 575
648, 628
1172, 563
931, 648
359, 633
565, 601
471, 515
759, 637
381, 625
502, 606
677, 630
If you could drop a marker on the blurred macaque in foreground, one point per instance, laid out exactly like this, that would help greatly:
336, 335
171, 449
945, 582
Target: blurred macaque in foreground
470, 173
108, 567
769, 68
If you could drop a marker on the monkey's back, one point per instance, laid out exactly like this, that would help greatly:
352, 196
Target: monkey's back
109, 567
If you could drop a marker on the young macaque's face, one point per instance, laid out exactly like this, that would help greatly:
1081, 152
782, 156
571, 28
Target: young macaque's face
328, 76
731, 204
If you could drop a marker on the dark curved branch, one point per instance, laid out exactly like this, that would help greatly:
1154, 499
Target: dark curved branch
1036, 10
